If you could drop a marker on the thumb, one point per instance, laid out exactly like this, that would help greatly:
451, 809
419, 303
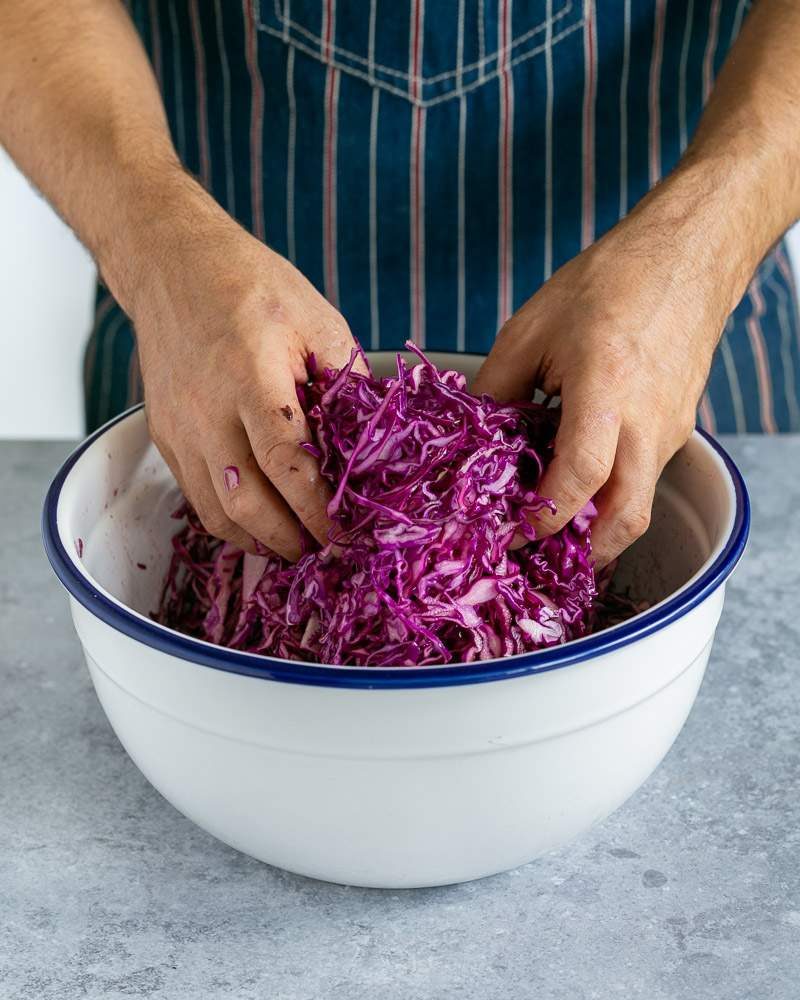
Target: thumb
509, 372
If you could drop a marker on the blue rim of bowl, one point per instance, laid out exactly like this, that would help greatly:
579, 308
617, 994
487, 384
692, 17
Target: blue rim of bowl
271, 668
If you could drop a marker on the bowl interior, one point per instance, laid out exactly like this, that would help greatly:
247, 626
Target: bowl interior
114, 512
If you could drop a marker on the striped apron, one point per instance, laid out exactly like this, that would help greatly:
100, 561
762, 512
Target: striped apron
428, 164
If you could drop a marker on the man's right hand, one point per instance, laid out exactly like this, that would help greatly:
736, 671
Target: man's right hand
225, 328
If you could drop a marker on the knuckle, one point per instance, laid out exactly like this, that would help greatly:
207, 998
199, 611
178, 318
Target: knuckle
253, 305
274, 310
311, 507
214, 521
590, 470
285, 541
239, 505
274, 455
315, 520
215, 525
632, 522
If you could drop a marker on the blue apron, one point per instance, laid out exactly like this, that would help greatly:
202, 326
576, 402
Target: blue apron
428, 165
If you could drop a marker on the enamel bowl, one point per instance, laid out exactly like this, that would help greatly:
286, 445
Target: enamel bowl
389, 777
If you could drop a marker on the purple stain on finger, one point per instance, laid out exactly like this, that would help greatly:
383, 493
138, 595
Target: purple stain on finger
230, 476
287, 412
583, 519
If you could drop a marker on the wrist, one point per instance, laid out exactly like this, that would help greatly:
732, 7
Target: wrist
163, 214
707, 214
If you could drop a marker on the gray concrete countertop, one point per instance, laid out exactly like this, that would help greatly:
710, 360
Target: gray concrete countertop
691, 890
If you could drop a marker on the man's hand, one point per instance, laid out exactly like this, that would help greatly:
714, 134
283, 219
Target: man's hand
625, 332
225, 329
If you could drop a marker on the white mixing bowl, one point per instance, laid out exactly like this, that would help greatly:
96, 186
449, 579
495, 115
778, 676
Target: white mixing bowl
389, 777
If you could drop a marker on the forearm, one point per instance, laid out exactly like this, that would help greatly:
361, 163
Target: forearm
81, 114
737, 188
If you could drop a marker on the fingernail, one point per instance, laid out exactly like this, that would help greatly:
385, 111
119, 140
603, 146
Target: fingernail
230, 476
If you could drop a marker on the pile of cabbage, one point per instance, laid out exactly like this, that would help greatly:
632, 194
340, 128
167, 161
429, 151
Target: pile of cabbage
432, 488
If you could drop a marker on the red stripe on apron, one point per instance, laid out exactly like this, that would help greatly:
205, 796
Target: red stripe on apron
711, 46
256, 121
655, 92
590, 86
156, 43
505, 171
200, 80
417, 179
329, 222
759, 349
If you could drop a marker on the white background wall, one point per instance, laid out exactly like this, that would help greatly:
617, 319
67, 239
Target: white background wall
46, 293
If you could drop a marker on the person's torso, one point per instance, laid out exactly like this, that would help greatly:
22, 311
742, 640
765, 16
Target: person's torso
429, 164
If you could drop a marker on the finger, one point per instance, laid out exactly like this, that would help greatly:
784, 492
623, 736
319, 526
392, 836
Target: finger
166, 453
334, 347
509, 372
276, 428
248, 498
625, 504
584, 451
203, 498
173, 464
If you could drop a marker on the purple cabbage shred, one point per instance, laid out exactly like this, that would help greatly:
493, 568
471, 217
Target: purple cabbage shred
431, 559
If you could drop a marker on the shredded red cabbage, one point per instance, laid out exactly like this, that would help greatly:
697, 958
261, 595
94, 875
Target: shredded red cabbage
431, 487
